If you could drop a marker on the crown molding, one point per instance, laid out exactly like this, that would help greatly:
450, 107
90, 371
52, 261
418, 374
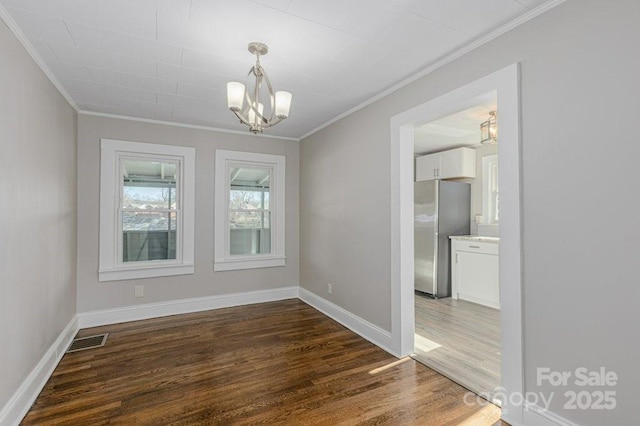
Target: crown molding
13, 26
444, 61
183, 125
22, 38
17, 32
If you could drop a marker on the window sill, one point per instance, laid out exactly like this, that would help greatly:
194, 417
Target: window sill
232, 265
146, 272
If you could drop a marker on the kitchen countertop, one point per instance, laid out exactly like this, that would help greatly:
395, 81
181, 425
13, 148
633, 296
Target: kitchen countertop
480, 238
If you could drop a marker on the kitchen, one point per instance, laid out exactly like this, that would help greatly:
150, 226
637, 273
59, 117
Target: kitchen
456, 240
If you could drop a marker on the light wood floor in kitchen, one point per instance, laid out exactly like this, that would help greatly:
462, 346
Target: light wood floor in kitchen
459, 339
271, 363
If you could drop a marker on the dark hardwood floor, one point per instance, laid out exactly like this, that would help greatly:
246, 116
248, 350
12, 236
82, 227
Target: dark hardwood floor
272, 363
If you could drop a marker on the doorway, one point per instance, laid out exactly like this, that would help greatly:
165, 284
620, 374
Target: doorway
506, 83
456, 240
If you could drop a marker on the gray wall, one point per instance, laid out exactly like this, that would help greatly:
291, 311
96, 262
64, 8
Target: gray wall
94, 295
37, 214
580, 90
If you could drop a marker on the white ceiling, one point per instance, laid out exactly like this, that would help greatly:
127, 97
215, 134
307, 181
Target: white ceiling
170, 59
455, 130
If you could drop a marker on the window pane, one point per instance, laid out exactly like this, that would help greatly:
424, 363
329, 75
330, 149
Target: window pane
249, 188
495, 192
250, 233
147, 221
266, 220
247, 220
146, 236
266, 200
148, 184
245, 200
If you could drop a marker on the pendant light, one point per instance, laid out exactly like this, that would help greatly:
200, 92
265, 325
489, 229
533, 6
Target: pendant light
252, 113
489, 129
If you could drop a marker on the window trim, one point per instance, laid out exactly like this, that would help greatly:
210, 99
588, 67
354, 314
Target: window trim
110, 267
223, 260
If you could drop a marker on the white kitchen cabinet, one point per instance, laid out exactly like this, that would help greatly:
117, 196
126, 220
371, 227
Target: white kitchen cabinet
427, 167
475, 271
454, 163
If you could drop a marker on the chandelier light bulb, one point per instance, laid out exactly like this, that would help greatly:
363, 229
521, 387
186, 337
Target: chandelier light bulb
283, 104
235, 95
253, 118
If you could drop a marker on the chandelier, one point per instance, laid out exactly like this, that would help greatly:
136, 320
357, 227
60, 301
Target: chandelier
253, 114
489, 129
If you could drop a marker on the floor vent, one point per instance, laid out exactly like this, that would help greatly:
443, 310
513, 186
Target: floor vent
90, 342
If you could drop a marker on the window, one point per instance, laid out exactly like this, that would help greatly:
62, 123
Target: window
249, 210
491, 200
146, 210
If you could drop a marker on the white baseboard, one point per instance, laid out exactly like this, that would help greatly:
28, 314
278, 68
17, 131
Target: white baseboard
365, 329
538, 416
184, 306
485, 302
18, 406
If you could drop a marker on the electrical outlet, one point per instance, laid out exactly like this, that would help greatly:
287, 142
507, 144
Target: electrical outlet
139, 291
330, 288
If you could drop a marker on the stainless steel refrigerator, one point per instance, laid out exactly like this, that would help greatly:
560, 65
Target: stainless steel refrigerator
442, 208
